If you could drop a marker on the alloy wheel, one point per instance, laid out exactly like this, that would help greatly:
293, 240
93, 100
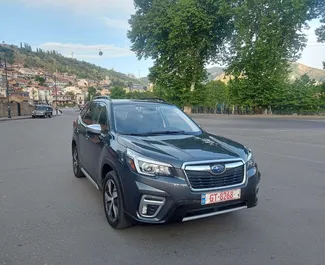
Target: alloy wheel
75, 160
111, 200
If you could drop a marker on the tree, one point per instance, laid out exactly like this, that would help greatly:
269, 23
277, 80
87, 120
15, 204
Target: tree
181, 37
91, 92
319, 12
41, 80
118, 93
267, 34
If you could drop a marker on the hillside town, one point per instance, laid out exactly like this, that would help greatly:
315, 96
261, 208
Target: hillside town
30, 86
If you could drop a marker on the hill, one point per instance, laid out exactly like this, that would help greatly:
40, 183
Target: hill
214, 72
297, 71
52, 61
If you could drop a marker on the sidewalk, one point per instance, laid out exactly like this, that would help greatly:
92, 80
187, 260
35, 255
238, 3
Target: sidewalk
15, 118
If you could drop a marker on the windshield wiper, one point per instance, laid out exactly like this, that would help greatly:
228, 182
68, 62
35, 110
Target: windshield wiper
165, 132
156, 133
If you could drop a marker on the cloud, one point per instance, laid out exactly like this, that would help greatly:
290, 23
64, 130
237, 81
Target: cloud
116, 23
85, 6
81, 51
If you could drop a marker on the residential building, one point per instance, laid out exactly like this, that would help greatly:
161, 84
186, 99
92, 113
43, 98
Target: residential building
44, 94
73, 89
82, 83
61, 82
105, 91
21, 82
25, 73
33, 94
81, 98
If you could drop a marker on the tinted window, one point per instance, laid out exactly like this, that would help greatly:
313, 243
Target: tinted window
82, 112
152, 118
89, 113
102, 118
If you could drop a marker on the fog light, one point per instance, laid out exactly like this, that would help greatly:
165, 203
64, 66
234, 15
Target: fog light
150, 206
144, 209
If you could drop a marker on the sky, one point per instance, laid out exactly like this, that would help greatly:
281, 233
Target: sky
83, 27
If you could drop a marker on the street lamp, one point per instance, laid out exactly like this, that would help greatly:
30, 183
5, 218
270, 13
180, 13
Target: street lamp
7, 87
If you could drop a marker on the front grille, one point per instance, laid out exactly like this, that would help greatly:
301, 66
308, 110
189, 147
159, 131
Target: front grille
206, 180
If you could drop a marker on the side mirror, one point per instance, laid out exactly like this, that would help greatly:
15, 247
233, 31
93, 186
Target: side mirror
94, 129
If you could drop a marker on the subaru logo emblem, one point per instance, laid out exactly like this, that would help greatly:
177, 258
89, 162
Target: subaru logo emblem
217, 169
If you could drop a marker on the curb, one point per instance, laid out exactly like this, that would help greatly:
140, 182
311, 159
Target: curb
23, 118
14, 119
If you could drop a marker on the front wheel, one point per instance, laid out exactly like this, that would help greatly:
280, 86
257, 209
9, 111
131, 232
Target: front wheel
113, 202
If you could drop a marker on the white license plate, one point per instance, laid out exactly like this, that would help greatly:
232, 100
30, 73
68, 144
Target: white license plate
223, 196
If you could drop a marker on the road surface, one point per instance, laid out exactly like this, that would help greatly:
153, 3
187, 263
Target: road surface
47, 216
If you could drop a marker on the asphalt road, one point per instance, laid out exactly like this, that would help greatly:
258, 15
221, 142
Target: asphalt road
47, 216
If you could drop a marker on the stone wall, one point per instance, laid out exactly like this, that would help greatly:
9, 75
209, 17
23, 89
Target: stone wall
25, 109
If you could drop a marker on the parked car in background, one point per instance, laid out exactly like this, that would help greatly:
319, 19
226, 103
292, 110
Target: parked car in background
42, 111
154, 164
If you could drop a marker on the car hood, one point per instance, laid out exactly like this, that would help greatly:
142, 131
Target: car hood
176, 149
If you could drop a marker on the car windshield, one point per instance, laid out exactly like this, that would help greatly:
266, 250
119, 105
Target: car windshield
152, 119
40, 107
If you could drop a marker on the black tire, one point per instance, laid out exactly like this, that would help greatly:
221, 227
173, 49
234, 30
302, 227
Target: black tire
44, 116
33, 117
113, 203
76, 163
50, 116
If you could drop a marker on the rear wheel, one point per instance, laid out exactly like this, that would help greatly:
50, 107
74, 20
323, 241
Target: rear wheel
113, 202
76, 163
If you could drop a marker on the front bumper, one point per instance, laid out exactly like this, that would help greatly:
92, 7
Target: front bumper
173, 200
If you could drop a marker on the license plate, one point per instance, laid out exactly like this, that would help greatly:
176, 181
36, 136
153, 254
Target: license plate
223, 196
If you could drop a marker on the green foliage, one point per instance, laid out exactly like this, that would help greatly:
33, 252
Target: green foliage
301, 97
41, 80
91, 93
5, 51
267, 34
117, 93
140, 95
319, 12
181, 37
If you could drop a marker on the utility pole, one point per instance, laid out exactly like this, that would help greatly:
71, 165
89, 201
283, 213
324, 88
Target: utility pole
7, 87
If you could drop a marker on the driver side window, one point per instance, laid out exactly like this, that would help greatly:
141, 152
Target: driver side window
88, 114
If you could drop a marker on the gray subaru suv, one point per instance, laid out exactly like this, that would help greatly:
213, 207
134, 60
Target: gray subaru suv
154, 164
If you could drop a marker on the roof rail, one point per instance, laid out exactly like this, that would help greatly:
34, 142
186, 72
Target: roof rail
151, 99
102, 97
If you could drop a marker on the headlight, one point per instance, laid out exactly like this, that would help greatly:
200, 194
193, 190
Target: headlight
146, 166
250, 161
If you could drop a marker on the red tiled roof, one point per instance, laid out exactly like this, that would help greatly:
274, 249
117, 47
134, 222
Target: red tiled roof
19, 80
